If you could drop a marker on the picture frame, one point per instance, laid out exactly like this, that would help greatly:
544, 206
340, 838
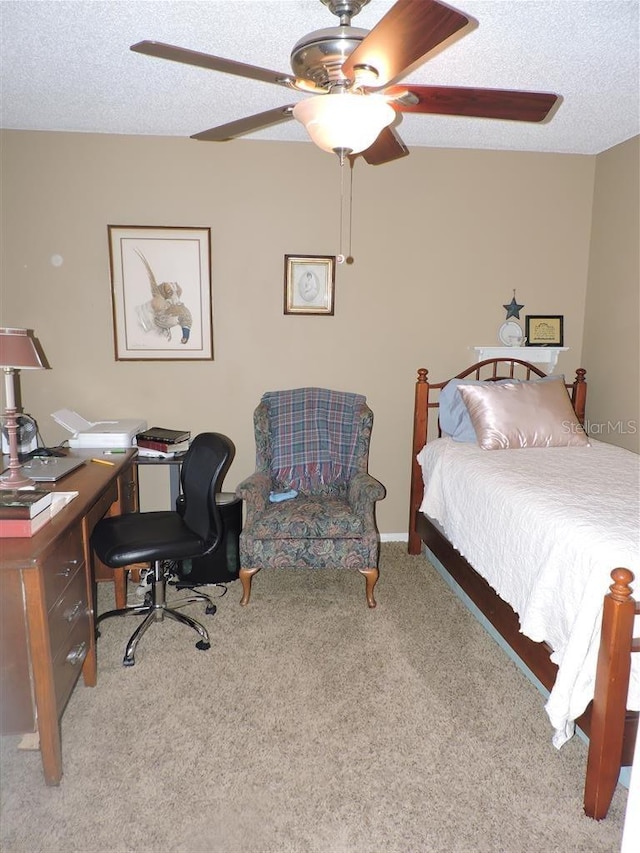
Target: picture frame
161, 293
544, 330
309, 284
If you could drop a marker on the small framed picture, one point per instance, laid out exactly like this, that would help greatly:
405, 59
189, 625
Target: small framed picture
161, 293
544, 330
309, 284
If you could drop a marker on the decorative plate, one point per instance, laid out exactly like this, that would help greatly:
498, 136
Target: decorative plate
510, 334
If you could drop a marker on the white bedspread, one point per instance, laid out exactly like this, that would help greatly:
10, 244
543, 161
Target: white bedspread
544, 527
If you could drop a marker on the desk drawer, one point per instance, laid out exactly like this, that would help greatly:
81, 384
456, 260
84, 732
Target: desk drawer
102, 507
67, 664
68, 609
62, 564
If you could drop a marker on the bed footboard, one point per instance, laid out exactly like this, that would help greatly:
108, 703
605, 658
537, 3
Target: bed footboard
609, 717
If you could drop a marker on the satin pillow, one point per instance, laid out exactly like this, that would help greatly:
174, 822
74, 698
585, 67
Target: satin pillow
453, 415
523, 414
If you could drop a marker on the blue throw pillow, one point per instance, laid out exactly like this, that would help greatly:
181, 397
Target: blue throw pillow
454, 417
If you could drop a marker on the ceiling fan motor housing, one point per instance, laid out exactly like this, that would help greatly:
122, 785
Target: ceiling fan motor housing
319, 56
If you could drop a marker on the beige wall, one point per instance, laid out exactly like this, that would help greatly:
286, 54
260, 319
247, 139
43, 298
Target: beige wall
611, 351
440, 240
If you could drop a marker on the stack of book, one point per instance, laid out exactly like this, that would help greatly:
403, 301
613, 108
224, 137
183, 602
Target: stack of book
162, 442
23, 511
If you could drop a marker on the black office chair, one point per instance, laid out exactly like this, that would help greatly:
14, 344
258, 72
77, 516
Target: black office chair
194, 529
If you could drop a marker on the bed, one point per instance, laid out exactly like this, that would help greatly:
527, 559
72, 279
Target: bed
551, 571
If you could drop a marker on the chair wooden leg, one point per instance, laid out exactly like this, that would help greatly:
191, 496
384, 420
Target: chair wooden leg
371, 579
246, 576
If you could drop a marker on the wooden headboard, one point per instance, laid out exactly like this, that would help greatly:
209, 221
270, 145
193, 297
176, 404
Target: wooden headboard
492, 369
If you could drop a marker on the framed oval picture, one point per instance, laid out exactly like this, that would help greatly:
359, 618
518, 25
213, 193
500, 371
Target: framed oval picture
309, 284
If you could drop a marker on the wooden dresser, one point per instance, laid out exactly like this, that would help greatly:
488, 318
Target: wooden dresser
47, 609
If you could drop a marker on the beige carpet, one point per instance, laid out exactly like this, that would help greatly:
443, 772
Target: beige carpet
312, 725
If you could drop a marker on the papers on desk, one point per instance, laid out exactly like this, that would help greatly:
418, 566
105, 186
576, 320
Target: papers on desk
60, 500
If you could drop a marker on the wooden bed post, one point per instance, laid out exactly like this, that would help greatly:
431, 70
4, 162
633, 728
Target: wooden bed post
420, 424
579, 395
610, 699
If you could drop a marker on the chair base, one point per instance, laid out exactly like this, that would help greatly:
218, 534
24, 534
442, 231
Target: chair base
156, 610
370, 576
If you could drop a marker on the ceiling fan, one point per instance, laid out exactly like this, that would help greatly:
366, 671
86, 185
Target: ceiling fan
351, 75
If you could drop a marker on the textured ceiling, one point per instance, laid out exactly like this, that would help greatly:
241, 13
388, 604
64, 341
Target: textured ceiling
66, 66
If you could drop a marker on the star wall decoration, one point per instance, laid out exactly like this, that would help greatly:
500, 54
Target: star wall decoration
513, 309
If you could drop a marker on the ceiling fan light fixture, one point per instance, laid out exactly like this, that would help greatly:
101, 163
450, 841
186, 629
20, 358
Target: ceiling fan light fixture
344, 122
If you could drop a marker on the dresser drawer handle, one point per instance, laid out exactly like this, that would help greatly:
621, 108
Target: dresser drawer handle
77, 653
71, 566
72, 614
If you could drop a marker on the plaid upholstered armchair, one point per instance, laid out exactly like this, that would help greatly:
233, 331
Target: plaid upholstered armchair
311, 502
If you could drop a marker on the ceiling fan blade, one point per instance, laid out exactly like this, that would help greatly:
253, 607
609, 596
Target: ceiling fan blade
409, 30
479, 103
214, 63
387, 147
242, 126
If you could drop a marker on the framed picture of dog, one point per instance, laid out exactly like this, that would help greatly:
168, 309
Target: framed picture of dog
161, 293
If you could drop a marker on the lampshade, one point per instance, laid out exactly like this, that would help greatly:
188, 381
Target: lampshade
343, 122
18, 350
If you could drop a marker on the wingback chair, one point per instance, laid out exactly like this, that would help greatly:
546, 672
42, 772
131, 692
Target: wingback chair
312, 443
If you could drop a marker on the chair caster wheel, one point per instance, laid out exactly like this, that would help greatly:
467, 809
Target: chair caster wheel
210, 609
128, 662
202, 645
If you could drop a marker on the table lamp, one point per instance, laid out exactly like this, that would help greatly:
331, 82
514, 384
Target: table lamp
17, 352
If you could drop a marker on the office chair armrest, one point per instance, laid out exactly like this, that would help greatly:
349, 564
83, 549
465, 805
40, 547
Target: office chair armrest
364, 490
254, 491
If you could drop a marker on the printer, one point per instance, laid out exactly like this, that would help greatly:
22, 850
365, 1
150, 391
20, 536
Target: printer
107, 433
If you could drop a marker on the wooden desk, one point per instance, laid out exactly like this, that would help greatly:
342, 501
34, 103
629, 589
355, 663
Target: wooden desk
47, 607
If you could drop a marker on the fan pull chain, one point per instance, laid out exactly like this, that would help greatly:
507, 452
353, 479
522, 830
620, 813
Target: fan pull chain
351, 162
341, 257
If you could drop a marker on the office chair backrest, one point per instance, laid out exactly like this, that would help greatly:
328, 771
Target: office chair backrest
203, 471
